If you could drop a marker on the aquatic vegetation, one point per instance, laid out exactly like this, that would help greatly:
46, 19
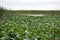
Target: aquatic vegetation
17, 27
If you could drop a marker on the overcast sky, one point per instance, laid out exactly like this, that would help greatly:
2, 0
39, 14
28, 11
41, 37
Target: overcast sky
31, 4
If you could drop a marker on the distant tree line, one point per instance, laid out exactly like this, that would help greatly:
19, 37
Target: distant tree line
43, 12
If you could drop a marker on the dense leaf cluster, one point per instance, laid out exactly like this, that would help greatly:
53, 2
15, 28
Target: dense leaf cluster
29, 28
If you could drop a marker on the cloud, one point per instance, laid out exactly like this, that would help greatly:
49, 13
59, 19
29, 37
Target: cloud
31, 4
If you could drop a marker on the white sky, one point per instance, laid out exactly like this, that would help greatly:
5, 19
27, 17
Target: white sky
31, 4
